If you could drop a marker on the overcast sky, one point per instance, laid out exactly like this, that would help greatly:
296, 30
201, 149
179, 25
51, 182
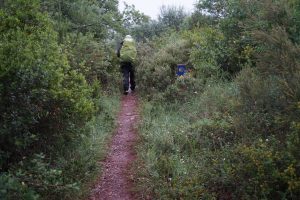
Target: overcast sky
152, 7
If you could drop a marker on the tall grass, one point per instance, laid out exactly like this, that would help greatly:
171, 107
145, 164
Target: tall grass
176, 144
198, 150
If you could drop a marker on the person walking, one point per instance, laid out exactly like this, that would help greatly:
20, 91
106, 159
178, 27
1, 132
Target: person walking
127, 53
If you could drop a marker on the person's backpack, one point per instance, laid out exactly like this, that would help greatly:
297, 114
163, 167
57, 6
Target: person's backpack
128, 51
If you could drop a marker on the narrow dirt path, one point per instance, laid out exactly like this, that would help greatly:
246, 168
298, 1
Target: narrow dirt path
115, 183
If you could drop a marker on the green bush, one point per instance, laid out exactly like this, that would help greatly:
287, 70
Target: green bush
12, 188
54, 116
261, 101
256, 171
205, 52
97, 62
70, 169
183, 89
232, 130
43, 101
44, 104
208, 159
157, 67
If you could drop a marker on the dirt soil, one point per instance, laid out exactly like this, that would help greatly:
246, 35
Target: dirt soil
115, 182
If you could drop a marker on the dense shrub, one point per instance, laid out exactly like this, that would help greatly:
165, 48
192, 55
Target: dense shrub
205, 52
197, 150
54, 114
40, 94
66, 174
92, 59
156, 70
237, 137
11, 188
44, 105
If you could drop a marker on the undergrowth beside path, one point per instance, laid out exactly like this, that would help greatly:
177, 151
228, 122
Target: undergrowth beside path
198, 150
76, 165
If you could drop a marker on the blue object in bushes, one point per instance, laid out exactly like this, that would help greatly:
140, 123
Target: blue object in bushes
181, 70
